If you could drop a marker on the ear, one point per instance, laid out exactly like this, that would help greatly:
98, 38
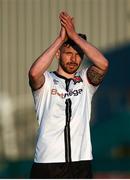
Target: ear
58, 54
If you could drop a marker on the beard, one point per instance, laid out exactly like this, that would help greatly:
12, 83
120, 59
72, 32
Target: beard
70, 67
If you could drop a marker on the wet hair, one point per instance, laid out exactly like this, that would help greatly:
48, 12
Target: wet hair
71, 43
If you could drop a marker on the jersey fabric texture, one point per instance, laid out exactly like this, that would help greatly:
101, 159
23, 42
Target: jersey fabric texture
63, 109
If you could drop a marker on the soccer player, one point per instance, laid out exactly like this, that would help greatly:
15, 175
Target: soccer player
63, 104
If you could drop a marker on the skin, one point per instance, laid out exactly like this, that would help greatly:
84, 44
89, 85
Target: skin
69, 60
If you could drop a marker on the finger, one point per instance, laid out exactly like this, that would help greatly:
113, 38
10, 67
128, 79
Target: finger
63, 23
64, 13
67, 28
68, 16
66, 25
67, 21
63, 20
69, 24
65, 16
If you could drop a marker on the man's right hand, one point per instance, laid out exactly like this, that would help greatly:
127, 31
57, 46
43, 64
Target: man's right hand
63, 34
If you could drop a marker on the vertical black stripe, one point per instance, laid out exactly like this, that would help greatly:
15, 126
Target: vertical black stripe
67, 131
67, 81
68, 113
67, 126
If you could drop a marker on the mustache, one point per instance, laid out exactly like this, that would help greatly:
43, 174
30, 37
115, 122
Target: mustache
72, 63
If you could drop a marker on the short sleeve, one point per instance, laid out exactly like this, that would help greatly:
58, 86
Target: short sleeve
40, 95
45, 86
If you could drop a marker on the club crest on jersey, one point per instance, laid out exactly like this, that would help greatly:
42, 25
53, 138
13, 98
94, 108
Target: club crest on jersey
77, 79
55, 81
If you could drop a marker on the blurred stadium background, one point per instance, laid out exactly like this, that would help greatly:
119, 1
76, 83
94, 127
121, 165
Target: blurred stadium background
27, 27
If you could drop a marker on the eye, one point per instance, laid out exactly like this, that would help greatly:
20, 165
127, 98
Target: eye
77, 55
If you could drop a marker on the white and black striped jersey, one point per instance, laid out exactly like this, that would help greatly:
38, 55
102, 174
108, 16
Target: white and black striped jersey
63, 109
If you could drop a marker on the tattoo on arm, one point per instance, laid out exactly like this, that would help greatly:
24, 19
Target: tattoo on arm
95, 75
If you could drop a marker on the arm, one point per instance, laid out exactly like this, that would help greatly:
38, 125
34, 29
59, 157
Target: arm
99, 68
97, 71
36, 77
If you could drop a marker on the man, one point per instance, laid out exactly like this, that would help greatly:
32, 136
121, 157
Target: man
63, 104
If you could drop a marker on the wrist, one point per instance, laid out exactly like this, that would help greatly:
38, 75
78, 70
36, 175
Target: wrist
74, 36
60, 40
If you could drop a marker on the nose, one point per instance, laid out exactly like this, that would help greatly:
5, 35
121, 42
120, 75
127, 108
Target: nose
73, 57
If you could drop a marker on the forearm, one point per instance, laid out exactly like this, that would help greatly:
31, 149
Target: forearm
44, 61
94, 55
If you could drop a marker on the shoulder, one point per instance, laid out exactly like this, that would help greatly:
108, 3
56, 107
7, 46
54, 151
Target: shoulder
47, 81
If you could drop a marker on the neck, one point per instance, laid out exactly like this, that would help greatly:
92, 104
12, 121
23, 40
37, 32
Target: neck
63, 73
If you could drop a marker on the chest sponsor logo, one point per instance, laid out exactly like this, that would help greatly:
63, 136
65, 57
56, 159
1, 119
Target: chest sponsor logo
67, 94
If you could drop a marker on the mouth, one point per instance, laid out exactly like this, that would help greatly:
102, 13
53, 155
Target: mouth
72, 64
